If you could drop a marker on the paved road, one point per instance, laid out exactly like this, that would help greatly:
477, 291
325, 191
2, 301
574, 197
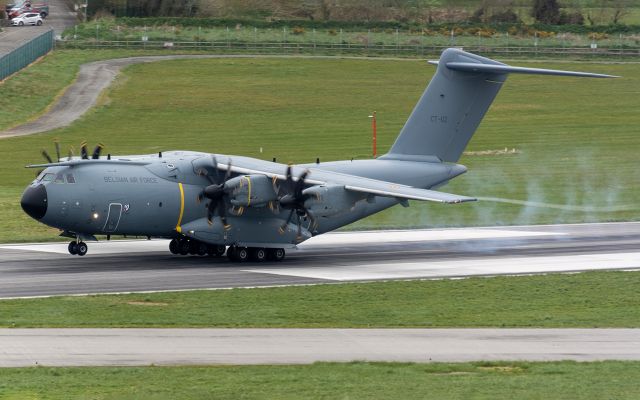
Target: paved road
108, 347
124, 266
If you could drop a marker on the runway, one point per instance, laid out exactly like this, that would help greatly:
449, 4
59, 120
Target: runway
30, 270
131, 347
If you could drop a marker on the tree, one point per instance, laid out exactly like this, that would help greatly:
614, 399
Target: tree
546, 11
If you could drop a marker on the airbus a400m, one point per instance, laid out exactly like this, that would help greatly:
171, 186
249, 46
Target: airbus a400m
255, 209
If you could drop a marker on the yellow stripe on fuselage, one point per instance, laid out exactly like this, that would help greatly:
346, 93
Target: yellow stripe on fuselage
178, 227
249, 192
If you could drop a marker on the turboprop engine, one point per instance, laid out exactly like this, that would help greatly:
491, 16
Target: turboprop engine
250, 191
329, 200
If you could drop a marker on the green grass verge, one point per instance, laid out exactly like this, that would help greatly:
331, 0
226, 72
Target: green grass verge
595, 299
577, 137
555, 380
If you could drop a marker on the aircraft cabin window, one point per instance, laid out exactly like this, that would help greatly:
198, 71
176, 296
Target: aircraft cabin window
70, 178
59, 178
47, 177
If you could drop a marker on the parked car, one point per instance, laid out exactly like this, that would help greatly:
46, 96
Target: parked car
14, 10
27, 19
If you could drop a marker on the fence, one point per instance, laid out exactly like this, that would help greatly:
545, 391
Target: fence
25, 54
402, 50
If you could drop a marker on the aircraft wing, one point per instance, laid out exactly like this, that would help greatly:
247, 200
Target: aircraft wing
388, 189
360, 184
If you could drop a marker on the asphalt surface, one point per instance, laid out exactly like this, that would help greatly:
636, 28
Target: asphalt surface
131, 347
115, 267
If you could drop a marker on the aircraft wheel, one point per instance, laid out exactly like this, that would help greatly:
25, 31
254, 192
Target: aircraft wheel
174, 247
201, 248
241, 254
73, 248
257, 254
216, 250
275, 254
231, 253
82, 248
183, 247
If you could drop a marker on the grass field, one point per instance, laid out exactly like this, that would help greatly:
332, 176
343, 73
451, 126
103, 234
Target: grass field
577, 138
596, 299
110, 30
556, 380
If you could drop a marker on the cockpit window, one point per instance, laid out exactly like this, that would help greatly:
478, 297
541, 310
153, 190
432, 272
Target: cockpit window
59, 178
70, 178
47, 177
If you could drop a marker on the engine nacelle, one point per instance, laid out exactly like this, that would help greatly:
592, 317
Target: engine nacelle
250, 191
329, 200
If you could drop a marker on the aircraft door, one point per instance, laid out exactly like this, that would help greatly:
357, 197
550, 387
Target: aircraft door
113, 218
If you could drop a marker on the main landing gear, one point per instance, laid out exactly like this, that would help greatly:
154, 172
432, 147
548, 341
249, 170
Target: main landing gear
194, 247
77, 248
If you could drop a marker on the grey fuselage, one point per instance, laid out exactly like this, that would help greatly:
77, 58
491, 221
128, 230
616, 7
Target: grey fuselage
157, 197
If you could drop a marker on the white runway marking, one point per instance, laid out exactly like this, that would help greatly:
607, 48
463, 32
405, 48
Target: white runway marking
326, 240
464, 267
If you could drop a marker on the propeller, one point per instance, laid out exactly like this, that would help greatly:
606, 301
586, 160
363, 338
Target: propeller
295, 200
83, 150
84, 154
96, 151
215, 192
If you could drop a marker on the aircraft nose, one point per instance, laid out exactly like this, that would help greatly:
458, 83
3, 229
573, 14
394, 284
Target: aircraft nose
34, 201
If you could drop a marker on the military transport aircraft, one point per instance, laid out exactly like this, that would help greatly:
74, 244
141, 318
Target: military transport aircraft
206, 202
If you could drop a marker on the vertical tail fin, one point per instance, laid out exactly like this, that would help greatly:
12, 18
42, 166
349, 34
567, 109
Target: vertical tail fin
453, 104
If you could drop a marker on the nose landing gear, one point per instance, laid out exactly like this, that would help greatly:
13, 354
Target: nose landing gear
77, 248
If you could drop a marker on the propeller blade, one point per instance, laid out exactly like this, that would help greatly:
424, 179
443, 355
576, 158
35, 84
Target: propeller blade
96, 151
46, 156
211, 207
83, 151
223, 213
289, 178
214, 161
300, 184
228, 173
284, 226
314, 223
299, 234
57, 144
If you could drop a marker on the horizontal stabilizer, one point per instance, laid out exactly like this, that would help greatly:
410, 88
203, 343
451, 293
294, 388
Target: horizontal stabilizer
507, 69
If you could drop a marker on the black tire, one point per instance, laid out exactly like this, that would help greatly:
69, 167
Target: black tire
241, 254
43, 14
231, 253
216, 250
276, 254
39, 23
174, 247
201, 248
183, 247
20, 23
73, 249
82, 248
258, 254
193, 247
